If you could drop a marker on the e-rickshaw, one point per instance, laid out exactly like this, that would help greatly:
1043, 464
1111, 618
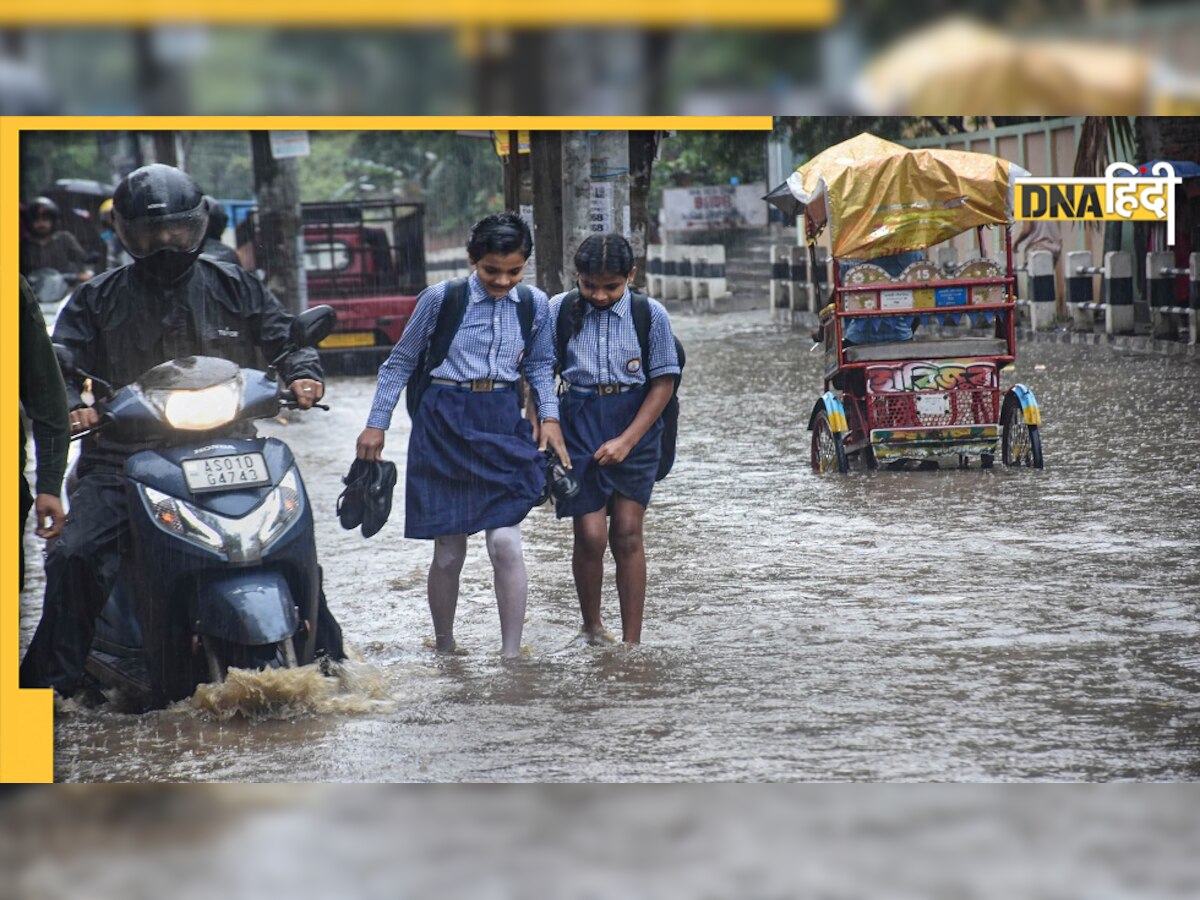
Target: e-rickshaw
913, 351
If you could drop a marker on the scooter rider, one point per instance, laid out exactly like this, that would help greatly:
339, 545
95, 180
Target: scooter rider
46, 246
169, 303
218, 220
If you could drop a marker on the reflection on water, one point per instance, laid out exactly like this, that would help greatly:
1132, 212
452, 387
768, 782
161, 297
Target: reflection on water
949, 625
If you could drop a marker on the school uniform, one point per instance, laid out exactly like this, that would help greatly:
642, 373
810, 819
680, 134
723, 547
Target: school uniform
606, 387
472, 461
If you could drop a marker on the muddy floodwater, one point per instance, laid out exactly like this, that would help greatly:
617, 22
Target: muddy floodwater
896, 625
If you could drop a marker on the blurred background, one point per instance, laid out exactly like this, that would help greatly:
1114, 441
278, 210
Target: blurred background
568, 842
1027, 56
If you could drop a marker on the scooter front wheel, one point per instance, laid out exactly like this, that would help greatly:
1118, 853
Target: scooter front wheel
222, 656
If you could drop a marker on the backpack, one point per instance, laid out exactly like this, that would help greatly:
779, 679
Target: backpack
450, 316
639, 306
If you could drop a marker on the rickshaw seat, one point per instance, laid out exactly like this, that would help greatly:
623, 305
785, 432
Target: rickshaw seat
928, 348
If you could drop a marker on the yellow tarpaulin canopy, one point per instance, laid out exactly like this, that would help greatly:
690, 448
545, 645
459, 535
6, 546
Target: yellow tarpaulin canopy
880, 198
960, 63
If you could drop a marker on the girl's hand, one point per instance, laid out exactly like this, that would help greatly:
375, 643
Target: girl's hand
551, 436
612, 452
370, 444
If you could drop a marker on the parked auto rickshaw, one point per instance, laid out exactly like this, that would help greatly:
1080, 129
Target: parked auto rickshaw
913, 352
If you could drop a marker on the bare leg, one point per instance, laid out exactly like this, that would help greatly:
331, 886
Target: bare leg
587, 564
512, 585
449, 553
625, 538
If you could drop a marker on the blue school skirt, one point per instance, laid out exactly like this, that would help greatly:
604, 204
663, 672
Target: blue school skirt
472, 464
588, 420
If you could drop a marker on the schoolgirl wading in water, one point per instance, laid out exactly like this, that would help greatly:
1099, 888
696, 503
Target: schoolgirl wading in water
611, 408
473, 464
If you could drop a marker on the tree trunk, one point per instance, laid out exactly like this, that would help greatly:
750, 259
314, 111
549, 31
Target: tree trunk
546, 162
643, 145
277, 235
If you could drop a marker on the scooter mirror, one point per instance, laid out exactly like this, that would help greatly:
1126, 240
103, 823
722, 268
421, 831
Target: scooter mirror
313, 325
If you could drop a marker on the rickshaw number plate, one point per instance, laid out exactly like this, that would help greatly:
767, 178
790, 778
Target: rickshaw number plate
895, 299
933, 405
225, 473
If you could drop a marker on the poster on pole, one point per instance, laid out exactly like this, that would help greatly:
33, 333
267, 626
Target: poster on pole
289, 144
602, 206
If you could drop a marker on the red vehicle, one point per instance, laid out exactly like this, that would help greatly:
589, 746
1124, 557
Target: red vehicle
914, 354
366, 259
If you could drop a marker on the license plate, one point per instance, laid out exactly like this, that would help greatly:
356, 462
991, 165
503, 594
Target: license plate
348, 339
225, 473
933, 405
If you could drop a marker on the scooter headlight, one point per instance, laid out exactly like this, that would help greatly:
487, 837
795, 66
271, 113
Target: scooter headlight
238, 540
203, 409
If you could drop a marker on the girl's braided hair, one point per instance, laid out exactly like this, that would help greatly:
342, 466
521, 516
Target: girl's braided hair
600, 254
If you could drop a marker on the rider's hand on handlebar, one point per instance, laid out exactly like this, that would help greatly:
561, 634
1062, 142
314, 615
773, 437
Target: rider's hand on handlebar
307, 392
370, 444
83, 419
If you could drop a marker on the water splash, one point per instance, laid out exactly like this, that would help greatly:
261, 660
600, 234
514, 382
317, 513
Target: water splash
353, 686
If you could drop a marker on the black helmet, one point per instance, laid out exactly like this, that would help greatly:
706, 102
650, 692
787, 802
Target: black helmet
217, 217
42, 203
158, 208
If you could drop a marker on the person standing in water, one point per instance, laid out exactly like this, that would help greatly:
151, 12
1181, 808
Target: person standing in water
611, 420
473, 460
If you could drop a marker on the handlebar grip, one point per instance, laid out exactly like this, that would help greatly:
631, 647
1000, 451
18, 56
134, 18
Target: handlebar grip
288, 399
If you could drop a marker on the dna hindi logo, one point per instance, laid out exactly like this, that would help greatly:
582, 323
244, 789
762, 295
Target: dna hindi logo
1126, 193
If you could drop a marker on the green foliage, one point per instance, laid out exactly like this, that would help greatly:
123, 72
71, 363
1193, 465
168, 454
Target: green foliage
220, 162
458, 178
49, 155
689, 158
710, 157
812, 134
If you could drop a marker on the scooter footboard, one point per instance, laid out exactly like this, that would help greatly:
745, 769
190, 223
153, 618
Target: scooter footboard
246, 608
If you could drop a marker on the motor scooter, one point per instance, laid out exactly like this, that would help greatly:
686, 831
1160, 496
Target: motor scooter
222, 570
52, 289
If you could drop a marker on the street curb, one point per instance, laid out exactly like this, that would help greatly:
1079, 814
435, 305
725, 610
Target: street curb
1136, 343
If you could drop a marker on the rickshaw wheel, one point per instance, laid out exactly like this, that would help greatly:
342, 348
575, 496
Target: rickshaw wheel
828, 451
1021, 444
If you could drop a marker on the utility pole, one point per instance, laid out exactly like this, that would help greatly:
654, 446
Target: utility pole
512, 173
278, 234
166, 148
583, 185
576, 198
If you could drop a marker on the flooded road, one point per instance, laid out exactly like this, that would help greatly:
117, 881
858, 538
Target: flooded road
897, 625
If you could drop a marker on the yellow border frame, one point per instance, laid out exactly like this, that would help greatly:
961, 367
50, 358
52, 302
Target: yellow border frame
27, 716
357, 13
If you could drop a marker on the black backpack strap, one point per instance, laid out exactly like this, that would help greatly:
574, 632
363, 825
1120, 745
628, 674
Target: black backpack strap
639, 308
450, 316
562, 329
525, 314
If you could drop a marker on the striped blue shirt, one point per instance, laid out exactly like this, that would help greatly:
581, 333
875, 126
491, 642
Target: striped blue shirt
606, 350
488, 345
